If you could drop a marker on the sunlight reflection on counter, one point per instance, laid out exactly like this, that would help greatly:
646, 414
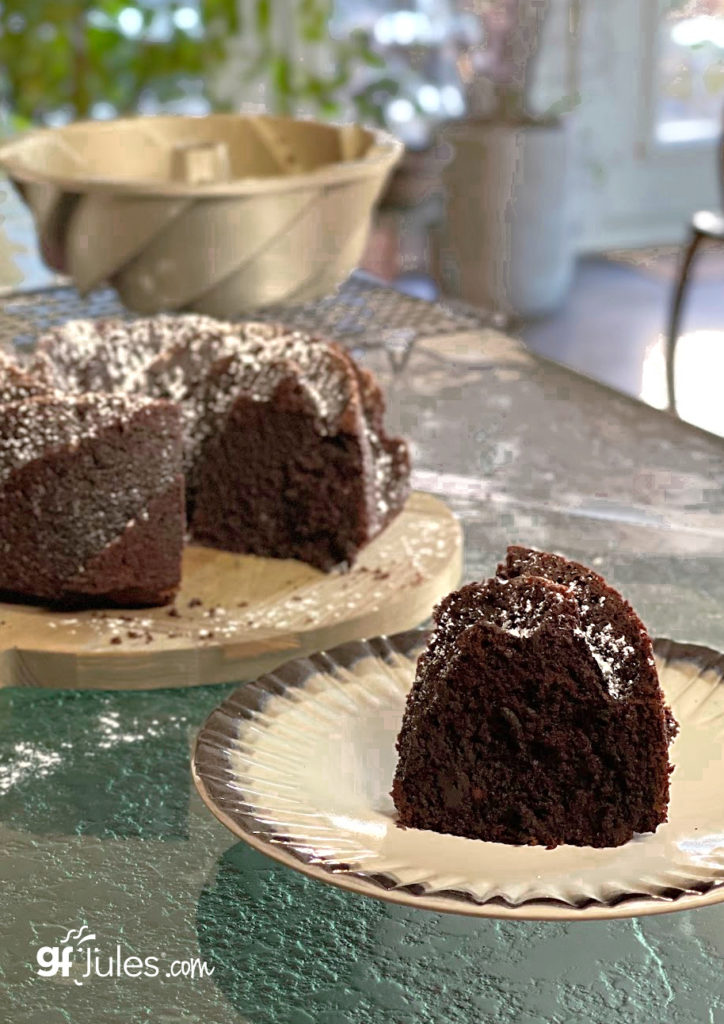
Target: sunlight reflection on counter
699, 372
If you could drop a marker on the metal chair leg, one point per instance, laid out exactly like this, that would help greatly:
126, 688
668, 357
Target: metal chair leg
677, 306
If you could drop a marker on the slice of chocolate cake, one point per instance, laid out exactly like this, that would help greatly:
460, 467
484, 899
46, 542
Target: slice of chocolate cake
536, 714
91, 499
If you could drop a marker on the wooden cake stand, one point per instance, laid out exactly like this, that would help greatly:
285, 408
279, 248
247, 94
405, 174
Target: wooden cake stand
238, 616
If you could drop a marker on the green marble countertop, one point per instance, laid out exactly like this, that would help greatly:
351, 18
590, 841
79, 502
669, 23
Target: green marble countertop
100, 824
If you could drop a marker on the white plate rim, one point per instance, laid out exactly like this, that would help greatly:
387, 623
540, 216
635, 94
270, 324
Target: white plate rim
207, 750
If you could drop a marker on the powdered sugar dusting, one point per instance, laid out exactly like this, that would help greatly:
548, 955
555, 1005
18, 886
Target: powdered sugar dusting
32, 427
523, 605
15, 384
613, 655
256, 368
522, 618
112, 354
166, 356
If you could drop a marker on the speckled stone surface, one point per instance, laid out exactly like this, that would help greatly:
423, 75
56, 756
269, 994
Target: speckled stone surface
99, 822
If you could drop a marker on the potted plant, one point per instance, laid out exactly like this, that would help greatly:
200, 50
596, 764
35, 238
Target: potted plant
506, 243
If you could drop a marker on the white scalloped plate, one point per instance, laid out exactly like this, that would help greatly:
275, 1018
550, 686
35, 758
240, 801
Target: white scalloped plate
299, 765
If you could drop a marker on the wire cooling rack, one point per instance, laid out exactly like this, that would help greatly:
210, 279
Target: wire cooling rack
362, 312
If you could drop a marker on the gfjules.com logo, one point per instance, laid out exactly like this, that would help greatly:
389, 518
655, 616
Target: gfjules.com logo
77, 958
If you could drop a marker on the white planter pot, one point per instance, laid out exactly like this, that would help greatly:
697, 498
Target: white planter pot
506, 243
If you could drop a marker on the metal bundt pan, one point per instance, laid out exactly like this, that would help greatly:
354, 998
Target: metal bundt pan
219, 214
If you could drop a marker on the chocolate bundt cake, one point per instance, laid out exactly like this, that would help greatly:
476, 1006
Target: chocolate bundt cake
91, 496
536, 714
118, 433
285, 453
